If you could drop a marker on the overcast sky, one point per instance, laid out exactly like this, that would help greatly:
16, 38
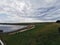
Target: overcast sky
29, 10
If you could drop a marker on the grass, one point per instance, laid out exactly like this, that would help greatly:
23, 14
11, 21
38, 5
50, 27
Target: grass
42, 34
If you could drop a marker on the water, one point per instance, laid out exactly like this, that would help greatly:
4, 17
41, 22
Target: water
11, 28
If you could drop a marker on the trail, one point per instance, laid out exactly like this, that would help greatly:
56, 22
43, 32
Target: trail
23, 30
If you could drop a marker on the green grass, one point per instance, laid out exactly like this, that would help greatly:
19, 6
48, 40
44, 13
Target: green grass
42, 34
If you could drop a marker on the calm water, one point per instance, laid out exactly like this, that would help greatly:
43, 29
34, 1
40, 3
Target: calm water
10, 28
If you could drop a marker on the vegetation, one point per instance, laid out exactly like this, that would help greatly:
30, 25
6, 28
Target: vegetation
42, 34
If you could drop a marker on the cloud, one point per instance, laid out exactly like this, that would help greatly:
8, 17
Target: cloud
29, 10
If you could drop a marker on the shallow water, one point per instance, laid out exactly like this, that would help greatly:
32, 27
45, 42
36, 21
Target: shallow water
10, 28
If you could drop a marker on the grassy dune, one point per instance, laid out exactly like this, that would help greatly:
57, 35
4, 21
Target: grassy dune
42, 34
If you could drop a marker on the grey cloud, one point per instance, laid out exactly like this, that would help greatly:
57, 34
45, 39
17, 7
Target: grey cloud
15, 10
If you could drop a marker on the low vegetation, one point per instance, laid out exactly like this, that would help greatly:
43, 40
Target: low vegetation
42, 34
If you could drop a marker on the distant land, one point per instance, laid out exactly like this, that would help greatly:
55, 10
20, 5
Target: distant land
23, 23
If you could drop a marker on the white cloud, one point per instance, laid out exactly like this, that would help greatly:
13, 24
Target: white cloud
29, 10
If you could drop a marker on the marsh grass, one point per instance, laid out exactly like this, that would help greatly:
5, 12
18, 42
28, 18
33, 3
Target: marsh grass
42, 34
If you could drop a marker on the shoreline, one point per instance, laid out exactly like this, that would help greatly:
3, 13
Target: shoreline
22, 30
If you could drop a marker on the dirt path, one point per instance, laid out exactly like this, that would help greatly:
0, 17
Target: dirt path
31, 27
23, 30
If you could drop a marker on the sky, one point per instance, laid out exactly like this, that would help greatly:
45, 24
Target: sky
18, 11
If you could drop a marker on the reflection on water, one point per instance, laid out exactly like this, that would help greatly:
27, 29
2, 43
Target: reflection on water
10, 28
